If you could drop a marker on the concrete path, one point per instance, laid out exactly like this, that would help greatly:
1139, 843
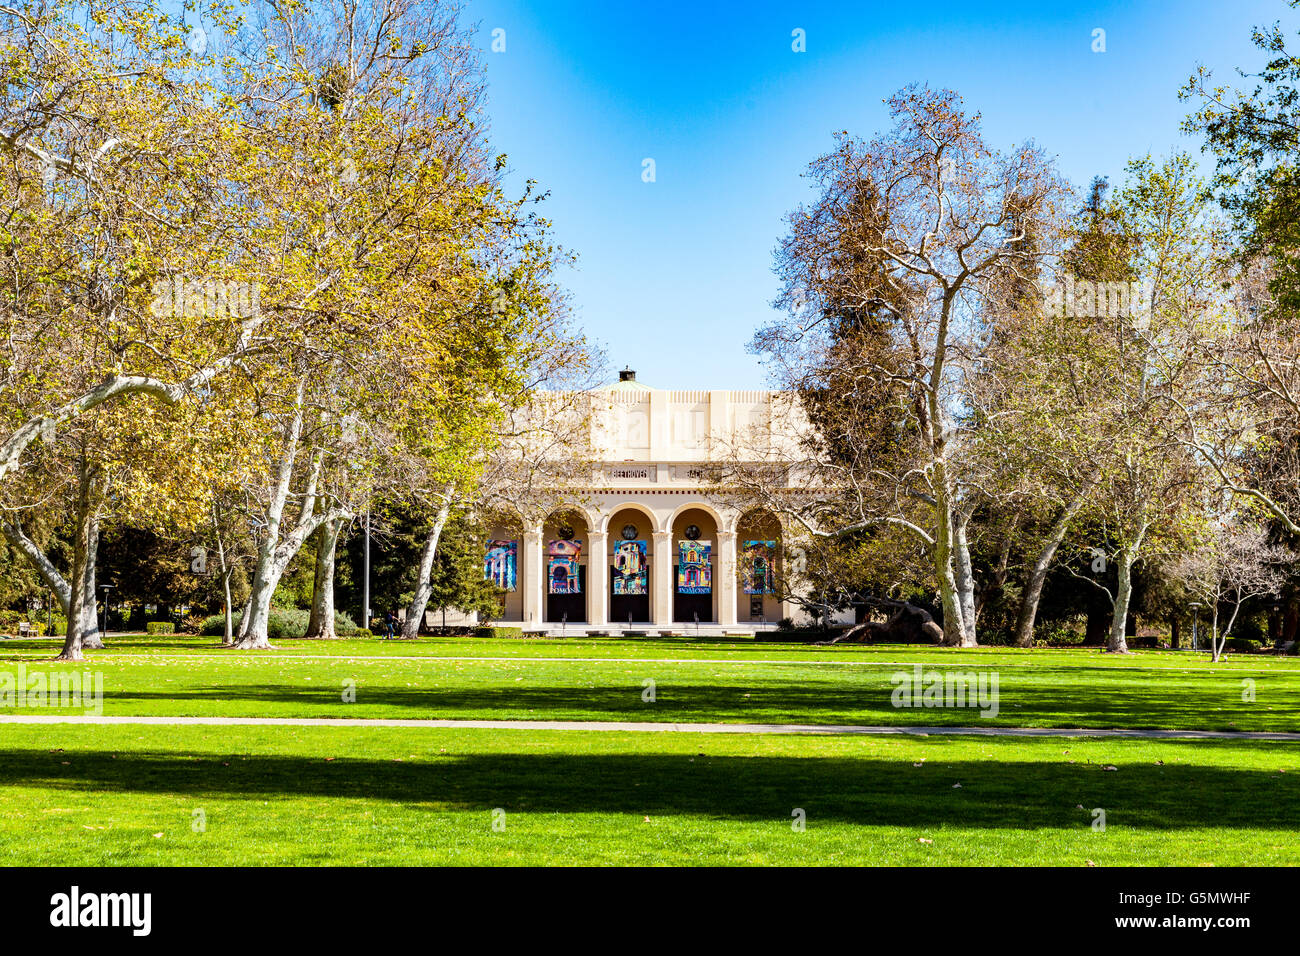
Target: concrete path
640, 727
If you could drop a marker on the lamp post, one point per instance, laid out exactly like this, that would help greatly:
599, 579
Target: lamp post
365, 595
1195, 606
106, 588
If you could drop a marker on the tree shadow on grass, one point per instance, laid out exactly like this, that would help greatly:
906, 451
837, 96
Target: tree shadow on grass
1191, 705
867, 791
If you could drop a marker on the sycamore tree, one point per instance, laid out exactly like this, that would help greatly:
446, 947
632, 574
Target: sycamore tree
138, 463
481, 441
400, 246
906, 228
118, 177
1151, 490
136, 253
1232, 562
1254, 370
1040, 395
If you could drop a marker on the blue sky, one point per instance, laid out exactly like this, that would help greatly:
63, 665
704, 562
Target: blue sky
675, 275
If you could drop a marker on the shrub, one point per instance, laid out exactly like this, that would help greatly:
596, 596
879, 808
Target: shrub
344, 626
363, 632
160, 627
502, 632
215, 625
9, 621
282, 625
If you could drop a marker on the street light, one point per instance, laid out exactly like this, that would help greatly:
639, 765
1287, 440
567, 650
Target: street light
365, 597
106, 588
1195, 606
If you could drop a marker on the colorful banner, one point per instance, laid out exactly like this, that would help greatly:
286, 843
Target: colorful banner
562, 574
758, 566
499, 566
694, 573
630, 569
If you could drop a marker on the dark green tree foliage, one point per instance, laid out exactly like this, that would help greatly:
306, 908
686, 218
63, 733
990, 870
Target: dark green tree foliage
1255, 138
458, 580
395, 542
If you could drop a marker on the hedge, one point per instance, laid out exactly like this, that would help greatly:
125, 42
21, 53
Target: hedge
283, 624
498, 632
160, 627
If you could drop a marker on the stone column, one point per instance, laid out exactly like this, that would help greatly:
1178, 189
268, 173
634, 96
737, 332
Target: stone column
726, 578
598, 578
661, 571
532, 577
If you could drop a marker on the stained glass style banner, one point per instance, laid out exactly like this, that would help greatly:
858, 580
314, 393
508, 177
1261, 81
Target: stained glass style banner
563, 576
758, 563
630, 568
694, 573
500, 564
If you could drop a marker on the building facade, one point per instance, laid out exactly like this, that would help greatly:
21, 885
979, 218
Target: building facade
650, 542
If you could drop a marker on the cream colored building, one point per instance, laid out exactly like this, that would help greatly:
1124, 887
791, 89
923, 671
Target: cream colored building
650, 499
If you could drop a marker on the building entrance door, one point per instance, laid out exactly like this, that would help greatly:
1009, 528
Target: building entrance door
572, 605
627, 608
690, 608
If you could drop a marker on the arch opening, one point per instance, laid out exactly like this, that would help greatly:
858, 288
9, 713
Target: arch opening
694, 564
760, 566
632, 565
565, 543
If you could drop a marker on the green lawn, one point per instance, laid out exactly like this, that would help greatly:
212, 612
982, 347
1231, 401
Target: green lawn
694, 681
121, 794
107, 795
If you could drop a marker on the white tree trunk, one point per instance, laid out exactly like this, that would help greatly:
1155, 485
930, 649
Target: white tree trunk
83, 625
257, 614
271, 564
321, 625
90, 637
1024, 636
965, 582
954, 628
49, 573
270, 561
1116, 643
423, 581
